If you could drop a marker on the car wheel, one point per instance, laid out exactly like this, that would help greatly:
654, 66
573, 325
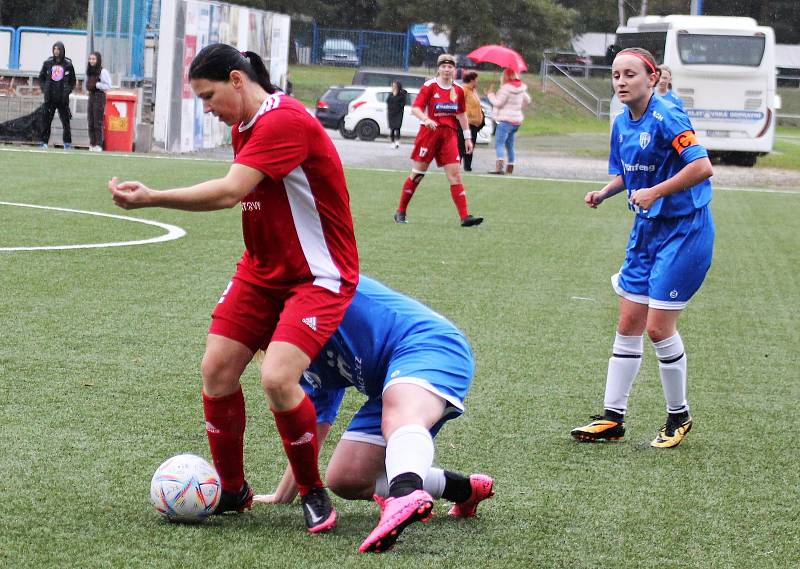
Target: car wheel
348, 134
367, 130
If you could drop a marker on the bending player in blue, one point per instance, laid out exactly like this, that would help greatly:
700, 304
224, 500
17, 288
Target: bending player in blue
415, 367
656, 158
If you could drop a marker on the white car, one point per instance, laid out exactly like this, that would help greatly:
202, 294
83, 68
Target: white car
366, 116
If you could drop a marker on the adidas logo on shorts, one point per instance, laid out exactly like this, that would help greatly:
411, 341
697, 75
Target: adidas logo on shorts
311, 322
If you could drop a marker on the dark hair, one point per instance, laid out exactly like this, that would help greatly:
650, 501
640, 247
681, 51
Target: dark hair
216, 61
469, 76
95, 69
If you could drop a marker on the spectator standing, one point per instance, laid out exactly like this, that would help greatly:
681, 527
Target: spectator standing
395, 107
508, 103
57, 80
475, 117
98, 81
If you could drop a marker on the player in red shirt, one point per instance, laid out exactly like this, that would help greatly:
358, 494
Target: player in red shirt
295, 279
440, 106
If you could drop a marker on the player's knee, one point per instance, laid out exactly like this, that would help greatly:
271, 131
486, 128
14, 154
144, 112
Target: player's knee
278, 383
659, 331
346, 487
219, 378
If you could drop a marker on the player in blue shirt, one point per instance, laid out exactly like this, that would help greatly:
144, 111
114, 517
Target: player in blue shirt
664, 86
415, 367
656, 158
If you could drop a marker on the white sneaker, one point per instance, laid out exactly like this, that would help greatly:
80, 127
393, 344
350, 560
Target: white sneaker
98, 148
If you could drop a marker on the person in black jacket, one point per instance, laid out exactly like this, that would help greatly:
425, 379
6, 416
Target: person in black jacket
394, 111
57, 80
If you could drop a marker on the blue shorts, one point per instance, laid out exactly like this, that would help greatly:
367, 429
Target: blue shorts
667, 260
442, 364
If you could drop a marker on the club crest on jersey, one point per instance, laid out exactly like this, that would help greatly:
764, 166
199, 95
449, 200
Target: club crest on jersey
644, 139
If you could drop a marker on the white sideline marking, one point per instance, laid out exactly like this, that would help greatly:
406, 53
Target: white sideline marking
582, 298
173, 232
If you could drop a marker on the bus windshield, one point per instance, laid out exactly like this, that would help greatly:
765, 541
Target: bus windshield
653, 42
696, 49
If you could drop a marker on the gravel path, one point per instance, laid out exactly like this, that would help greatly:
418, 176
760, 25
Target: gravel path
550, 164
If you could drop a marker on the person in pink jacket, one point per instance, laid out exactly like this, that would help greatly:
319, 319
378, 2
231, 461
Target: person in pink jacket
507, 105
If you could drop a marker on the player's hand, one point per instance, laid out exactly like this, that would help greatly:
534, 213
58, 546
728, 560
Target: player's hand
643, 198
129, 195
271, 499
469, 146
593, 199
431, 124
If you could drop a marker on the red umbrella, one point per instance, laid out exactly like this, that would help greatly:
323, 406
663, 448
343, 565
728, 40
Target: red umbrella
499, 55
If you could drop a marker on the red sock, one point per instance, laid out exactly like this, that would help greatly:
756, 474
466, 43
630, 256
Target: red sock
225, 422
409, 187
459, 195
298, 430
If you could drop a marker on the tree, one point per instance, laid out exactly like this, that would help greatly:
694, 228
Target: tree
51, 14
528, 26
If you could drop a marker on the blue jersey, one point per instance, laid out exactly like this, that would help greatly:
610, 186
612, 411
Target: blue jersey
672, 98
379, 327
650, 150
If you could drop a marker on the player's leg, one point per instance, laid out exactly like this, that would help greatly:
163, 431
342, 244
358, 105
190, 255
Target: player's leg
682, 262
632, 286
421, 157
452, 169
295, 342
224, 361
409, 411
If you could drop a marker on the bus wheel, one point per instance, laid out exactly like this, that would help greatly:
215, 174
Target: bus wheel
746, 159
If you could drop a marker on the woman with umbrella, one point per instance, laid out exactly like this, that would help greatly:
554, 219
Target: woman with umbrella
508, 103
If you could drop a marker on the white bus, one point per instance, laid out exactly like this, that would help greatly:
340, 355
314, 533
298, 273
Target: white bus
724, 70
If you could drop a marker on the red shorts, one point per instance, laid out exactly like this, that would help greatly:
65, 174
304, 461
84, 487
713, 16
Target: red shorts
304, 315
441, 144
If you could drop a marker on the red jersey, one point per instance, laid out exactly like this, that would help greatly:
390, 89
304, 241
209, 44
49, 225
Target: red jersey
296, 222
440, 104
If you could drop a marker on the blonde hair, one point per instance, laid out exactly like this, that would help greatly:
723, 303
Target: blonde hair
509, 75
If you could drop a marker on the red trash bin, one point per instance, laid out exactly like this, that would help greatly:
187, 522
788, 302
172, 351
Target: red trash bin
119, 120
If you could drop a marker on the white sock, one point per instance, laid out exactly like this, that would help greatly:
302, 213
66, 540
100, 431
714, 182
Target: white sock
409, 449
623, 365
672, 367
433, 483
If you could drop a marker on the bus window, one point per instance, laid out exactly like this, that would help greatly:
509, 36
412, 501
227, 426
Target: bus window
746, 51
653, 42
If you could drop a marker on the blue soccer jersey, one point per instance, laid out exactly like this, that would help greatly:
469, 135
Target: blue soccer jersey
654, 148
386, 335
672, 98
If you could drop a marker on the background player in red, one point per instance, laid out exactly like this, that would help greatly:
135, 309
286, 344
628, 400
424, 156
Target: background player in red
440, 106
295, 280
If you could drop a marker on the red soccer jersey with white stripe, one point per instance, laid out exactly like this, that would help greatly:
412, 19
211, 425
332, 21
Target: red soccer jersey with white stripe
296, 222
440, 104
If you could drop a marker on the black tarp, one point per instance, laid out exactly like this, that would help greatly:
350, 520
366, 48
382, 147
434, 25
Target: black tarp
28, 128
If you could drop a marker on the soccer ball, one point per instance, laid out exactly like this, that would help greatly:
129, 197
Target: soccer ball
185, 488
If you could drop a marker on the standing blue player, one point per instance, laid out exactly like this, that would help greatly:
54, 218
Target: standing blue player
415, 367
656, 158
664, 86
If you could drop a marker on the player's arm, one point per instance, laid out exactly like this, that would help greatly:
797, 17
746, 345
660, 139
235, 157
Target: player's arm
463, 122
423, 118
286, 491
615, 186
690, 175
220, 193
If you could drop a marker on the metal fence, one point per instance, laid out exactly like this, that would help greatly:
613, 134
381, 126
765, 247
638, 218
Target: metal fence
313, 45
117, 29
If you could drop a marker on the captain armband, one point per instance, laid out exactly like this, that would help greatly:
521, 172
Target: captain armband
684, 140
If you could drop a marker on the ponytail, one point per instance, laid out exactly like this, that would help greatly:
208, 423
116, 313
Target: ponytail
216, 61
